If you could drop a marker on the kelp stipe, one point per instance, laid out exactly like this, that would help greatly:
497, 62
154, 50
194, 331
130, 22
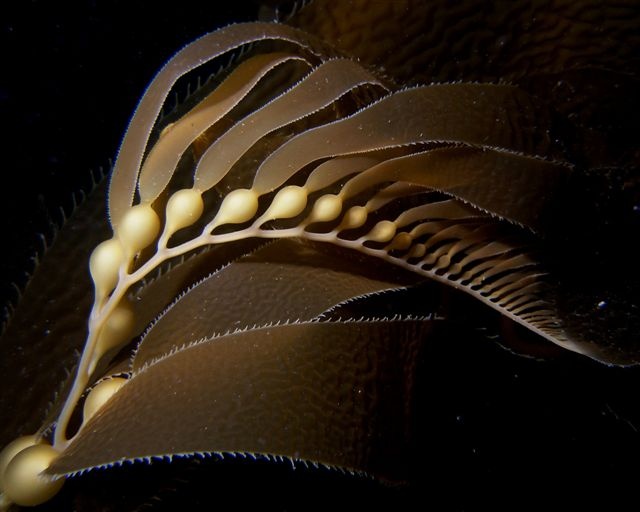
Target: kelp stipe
363, 168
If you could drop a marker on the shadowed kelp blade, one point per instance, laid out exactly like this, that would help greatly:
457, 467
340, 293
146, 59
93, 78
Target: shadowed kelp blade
338, 394
287, 281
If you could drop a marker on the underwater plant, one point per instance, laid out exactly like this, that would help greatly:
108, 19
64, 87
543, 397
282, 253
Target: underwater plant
256, 276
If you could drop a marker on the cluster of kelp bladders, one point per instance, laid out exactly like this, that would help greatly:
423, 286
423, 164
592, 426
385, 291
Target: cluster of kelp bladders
296, 143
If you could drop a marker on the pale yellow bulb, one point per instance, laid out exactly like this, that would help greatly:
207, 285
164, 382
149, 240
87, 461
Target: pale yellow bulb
401, 242
238, 206
455, 269
11, 450
24, 483
183, 209
326, 208
417, 251
139, 228
383, 231
288, 202
443, 261
100, 395
104, 265
355, 217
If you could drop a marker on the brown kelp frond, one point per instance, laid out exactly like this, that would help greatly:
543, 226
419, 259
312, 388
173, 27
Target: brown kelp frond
176, 348
208, 47
417, 41
142, 364
289, 234
505, 122
514, 187
197, 84
162, 160
474, 114
325, 85
329, 313
293, 371
159, 293
189, 271
322, 150
242, 294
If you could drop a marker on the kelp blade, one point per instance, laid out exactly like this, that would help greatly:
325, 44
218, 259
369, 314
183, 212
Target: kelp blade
286, 281
337, 394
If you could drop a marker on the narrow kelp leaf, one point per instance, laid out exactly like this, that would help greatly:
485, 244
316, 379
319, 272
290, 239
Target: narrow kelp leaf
323, 86
337, 394
163, 159
286, 281
493, 116
212, 45
515, 187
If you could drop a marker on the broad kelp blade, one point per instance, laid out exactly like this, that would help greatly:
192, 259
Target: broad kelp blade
155, 293
422, 42
288, 280
335, 394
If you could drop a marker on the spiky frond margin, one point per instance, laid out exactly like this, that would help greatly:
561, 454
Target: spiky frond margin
294, 462
218, 336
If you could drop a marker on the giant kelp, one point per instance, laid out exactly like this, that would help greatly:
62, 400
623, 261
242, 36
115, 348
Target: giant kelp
501, 257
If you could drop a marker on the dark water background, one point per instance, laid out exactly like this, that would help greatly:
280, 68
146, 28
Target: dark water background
492, 423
